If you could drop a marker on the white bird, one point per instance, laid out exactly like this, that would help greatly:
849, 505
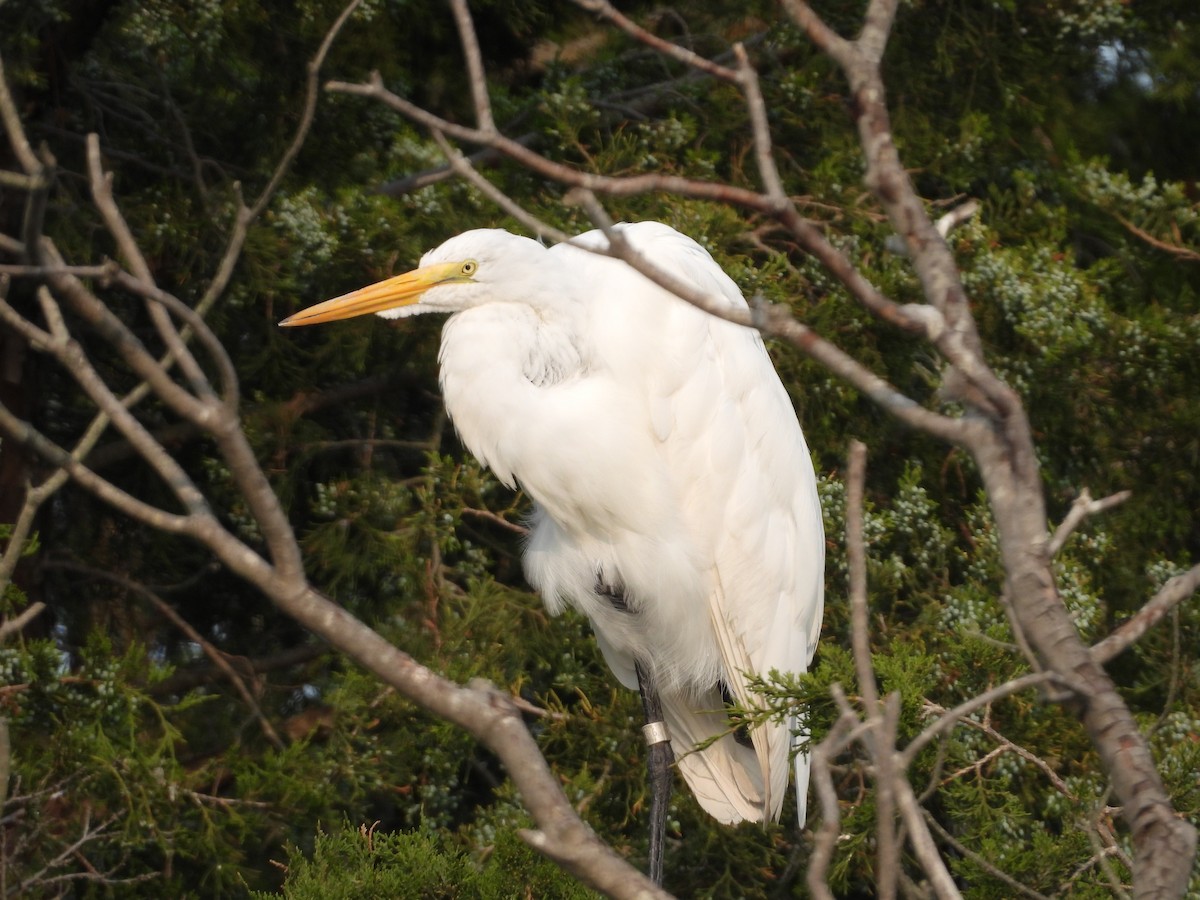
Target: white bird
675, 500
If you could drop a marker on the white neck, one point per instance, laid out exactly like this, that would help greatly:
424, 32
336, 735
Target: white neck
497, 361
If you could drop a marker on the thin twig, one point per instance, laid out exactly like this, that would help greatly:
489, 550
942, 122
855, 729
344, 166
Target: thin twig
21, 147
1176, 673
957, 216
860, 639
168, 612
948, 720
1083, 507
846, 728
1169, 596
889, 782
462, 167
1182, 253
486, 157
881, 739
958, 847
102, 197
756, 107
779, 321
666, 48
110, 326
27, 615
1104, 850
488, 515
1004, 745
474, 59
920, 839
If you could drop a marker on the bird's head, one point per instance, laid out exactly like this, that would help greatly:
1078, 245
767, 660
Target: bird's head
471, 269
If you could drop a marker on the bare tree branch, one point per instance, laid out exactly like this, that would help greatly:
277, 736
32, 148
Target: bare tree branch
71, 356
920, 839
778, 321
856, 556
846, 729
880, 739
680, 54
103, 197
14, 626
1007, 460
1130, 632
1004, 745
1083, 507
460, 165
995, 430
823, 37
877, 27
999, 874
809, 237
950, 719
1186, 254
25, 434
923, 322
21, 147
474, 59
747, 78
166, 611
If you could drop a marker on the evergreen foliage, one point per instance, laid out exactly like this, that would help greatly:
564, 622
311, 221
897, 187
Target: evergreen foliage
358, 864
137, 771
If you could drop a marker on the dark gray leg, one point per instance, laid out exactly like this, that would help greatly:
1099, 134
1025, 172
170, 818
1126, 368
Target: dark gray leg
658, 740
658, 770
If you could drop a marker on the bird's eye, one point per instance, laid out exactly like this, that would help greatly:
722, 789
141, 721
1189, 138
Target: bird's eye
469, 267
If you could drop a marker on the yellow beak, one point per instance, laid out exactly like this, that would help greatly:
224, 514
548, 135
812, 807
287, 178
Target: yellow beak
402, 290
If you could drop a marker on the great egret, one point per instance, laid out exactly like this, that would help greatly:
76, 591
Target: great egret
675, 500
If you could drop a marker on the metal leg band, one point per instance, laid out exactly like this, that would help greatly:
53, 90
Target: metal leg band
656, 733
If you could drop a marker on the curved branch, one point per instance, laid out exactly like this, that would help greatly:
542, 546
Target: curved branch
220, 356
778, 321
165, 609
688, 57
102, 196
28, 436
949, 719
474, 59
15, 130
1170, 595
1083, 507
806, 233
109, 326
312, 91
18, 622
756, 108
